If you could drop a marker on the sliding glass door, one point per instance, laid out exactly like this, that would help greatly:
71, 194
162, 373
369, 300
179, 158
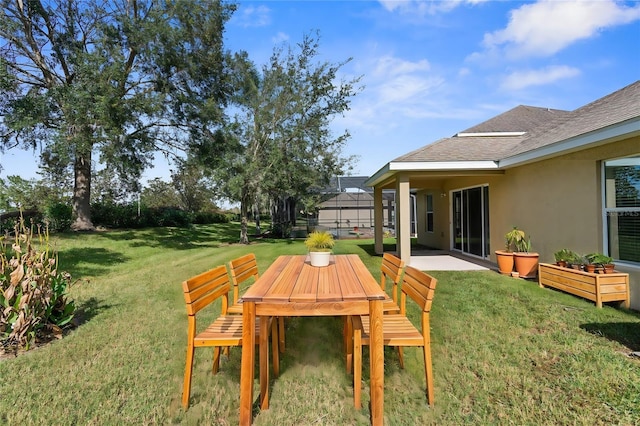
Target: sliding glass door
471, 221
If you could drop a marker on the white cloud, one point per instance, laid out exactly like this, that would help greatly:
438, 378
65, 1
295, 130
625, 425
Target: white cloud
522, 79
395, 90
424, 7
280, 37
252, 16
548, 26
390, 66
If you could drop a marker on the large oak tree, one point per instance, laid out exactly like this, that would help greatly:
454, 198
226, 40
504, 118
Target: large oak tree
110, 81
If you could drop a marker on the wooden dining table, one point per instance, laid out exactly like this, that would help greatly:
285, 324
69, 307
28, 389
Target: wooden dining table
292, 287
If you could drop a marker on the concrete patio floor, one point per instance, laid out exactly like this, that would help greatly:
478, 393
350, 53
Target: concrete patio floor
440, 260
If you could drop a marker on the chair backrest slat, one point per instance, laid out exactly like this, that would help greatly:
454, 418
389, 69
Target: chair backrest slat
391, 268
419, 286
242, 269
201, 290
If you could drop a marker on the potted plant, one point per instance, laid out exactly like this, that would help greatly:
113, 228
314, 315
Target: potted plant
319, 244
601, 260
504, 257
525, 261
589, 264
576, 261
562, 257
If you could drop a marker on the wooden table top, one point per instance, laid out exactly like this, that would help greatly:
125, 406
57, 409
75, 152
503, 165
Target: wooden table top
292, 279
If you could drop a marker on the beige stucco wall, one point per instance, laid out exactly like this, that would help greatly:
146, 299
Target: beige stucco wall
439, 238
557, 202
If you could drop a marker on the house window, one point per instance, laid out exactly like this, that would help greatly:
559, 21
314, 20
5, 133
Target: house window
429, 213
622, 208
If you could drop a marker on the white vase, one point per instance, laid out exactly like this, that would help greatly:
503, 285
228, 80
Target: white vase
319, 258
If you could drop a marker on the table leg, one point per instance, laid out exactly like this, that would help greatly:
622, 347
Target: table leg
248, 359
264, 361
376, 356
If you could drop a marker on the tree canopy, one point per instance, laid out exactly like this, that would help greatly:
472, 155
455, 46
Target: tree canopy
119, 79
280, 144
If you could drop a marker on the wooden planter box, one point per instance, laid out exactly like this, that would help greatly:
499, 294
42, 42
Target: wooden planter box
595, 287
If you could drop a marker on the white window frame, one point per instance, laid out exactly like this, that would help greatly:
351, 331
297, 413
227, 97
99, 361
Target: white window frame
429, 212
609, 211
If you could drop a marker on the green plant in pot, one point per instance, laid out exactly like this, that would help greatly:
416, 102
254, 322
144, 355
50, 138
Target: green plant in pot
602, 261
319, 244
562, 257
504, 258
576, 261
525, 260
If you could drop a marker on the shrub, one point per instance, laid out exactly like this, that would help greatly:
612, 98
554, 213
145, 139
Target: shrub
204, 218
58, 216
33, 291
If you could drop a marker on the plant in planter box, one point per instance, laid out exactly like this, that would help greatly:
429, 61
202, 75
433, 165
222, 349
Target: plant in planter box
576, 261
601, 260
504, 258
563, 256
319, 244
525, 261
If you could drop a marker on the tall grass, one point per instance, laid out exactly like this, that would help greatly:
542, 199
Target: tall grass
504, 351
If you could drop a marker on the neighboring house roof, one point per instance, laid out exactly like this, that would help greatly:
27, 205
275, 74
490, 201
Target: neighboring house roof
524, 134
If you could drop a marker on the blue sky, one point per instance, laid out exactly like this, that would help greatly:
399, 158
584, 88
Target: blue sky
433, 68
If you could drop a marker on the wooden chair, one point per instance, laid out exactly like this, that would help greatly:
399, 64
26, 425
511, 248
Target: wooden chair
242, 269
390, 270
199, 292
398, 330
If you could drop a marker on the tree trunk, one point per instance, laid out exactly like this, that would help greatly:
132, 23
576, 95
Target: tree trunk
256, 216
81, 208
244, 208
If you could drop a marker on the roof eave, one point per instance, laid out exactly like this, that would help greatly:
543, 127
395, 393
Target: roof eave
395, 167
624, 130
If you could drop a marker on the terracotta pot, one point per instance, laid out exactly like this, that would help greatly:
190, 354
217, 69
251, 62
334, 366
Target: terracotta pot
505, 261
590, 268
526, 264
608, 268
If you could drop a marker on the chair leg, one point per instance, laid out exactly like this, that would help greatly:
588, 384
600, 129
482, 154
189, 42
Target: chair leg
348, 341
400, 356
275, 352
428, 371
216, 359
357, 368
281, 333
186, 388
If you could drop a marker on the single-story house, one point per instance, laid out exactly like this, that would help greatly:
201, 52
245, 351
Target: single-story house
569, 179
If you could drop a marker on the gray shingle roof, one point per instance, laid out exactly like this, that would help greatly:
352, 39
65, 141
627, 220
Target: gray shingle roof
519, 119
543, 126
615, 108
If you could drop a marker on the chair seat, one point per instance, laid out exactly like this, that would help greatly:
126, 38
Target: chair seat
390, 307
235, 309
226, 330
398, 331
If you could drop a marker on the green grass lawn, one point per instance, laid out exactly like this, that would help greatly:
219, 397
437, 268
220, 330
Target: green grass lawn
504, 350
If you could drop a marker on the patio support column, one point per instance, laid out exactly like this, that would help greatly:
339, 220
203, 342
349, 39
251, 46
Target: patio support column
403, 218
378, 220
